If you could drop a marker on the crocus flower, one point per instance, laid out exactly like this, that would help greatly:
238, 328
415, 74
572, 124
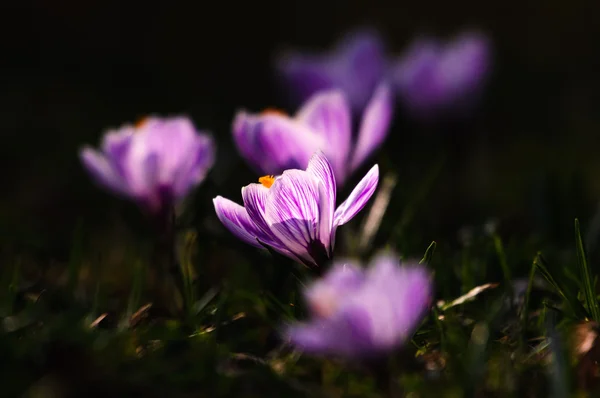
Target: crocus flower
273, 142
356, 65
360, 313
295, 213
433, 76
155, 162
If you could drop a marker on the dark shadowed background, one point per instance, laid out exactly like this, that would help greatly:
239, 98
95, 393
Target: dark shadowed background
70, 70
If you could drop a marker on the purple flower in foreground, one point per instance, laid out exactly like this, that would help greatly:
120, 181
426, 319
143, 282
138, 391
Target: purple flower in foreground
155, 162
273, 141
356, 65
433, 76
295, 213
358, 313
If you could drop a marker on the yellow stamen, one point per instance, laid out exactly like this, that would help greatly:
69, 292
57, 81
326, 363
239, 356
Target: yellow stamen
267, 180
273, 111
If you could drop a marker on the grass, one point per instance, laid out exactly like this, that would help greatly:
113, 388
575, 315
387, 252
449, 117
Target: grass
488, 333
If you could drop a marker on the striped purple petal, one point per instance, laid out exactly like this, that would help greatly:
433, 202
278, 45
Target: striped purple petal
295, 207
236, 219
358, 198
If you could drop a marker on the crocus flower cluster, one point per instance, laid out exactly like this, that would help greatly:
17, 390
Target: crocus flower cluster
295, 213
357, 312
430, 77
155, 162
273, 142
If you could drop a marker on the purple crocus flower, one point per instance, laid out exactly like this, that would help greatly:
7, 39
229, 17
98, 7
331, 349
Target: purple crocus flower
432, 76
361, 313
155, 162
273, 142
356, 65
295, 213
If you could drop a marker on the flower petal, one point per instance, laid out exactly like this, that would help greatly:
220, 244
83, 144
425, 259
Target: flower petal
292, 211
464, 64
274, 143
326, 294
194, 164
328, 114
320, 167
398, 296
363, 56
236, 219
346, 334
102, 170
255, 198
305, 74
358, 198
374, 125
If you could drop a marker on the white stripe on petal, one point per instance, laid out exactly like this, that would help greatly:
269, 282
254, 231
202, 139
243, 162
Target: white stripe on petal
292, 210
358, 198
320, 167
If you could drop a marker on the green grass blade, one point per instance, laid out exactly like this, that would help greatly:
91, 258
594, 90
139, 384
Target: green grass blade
525, 310
586, 277
428, 253
502, 258
571, 300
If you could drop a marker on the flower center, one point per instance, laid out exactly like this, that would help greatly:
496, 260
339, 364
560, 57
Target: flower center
267, 180
325, 304
273, 111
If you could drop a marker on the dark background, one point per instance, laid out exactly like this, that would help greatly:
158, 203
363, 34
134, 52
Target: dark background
69, 70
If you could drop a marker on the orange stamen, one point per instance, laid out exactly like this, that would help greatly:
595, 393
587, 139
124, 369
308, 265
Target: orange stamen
141, 122
273, 111
267, 180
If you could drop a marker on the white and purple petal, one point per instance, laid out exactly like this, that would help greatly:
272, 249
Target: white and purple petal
236, 219
292, 211
358, 198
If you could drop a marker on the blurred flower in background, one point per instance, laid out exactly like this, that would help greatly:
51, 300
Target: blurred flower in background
273, 141
155, 162
356, 65
295, 213
357, 312
432, 76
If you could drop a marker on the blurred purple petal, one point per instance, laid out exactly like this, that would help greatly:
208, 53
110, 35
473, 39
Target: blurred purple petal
358, 198
323, 295
355, 65
374, 125
360, 314
101, 170
364, 65
328, 114
433, 77
274, 143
